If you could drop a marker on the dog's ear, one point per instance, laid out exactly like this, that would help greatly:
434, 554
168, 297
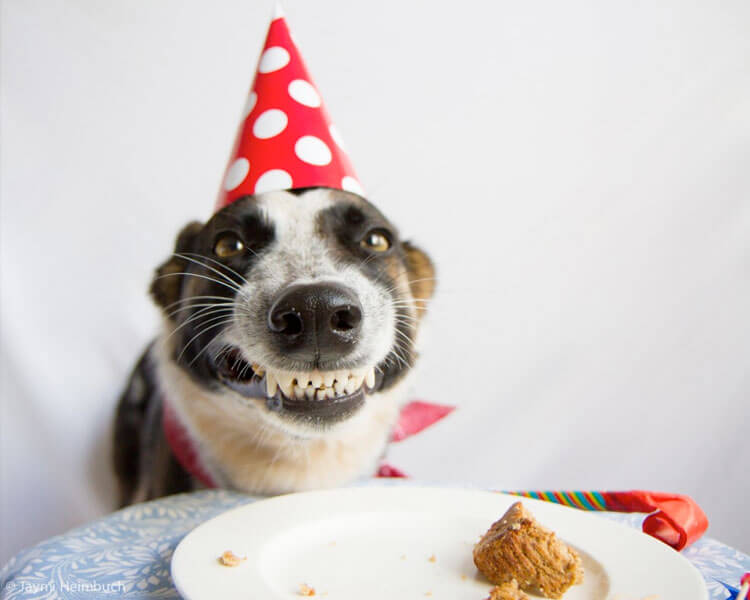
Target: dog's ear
421, 274
167, 285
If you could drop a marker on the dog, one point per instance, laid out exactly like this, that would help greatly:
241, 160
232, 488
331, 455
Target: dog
289, 327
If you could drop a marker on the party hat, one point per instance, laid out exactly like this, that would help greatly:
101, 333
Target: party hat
286, 139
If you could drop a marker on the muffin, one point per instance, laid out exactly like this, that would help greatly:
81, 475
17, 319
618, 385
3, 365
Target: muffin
517, 547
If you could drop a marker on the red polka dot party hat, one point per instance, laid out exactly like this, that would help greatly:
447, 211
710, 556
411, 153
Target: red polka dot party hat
286, 139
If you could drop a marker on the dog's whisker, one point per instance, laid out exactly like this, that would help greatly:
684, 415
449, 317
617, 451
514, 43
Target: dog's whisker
410, 281
409, 301
206, 318
244, 370
393, 288
208, 345
236, 289
413, 303
201, 314
221, 352
403, 349
411, 316
407, 329
187, 256
407, 318
195, 299
366, 260
225, 321
189, 317
221, 264
403, 336
239, 308
395, 353
199, 305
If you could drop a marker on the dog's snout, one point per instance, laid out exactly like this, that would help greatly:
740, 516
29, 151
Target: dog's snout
316, 321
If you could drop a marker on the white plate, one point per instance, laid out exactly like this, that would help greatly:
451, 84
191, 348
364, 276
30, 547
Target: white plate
376, 543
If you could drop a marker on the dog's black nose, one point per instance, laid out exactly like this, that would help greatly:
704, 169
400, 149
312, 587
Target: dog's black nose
316, 322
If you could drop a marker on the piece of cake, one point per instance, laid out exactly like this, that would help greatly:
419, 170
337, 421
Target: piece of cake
230, 559
306, 590
517, 547
507, 591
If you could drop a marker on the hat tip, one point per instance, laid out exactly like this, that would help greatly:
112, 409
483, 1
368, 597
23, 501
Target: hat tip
278, 12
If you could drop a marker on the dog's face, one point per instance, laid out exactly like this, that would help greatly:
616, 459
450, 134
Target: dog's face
305, 304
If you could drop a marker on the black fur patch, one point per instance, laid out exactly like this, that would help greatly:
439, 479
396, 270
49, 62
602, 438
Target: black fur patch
206, 279
141, 454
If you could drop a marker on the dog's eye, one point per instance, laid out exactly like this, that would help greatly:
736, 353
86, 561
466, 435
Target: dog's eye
228, 245
376, 241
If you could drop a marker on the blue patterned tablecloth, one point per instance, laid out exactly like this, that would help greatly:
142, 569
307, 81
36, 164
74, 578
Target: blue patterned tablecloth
127, 554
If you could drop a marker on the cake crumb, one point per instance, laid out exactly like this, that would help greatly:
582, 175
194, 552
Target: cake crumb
432, 558
230, 559
403, 557
463, 577
306, 590
507, 591
428, 593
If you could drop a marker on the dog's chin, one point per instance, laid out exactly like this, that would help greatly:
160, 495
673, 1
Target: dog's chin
301, 402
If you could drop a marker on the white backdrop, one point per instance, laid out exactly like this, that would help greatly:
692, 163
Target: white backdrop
579, 171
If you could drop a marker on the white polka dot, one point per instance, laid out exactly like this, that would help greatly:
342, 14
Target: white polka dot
275, 179
312, 150
236, 174
252, 98
352, 185
337, 137
273, 59
304, 93
270, 123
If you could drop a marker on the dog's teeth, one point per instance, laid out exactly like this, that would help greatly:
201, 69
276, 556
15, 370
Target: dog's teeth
370, 378
258, 370
353, 384
286, 383
316, 385
270, 385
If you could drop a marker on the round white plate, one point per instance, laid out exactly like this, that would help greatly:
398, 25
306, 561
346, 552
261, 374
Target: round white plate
406, 543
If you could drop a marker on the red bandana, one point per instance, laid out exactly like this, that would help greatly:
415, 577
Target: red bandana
414, 417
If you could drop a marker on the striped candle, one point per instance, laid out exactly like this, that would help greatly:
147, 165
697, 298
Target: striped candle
674, 519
